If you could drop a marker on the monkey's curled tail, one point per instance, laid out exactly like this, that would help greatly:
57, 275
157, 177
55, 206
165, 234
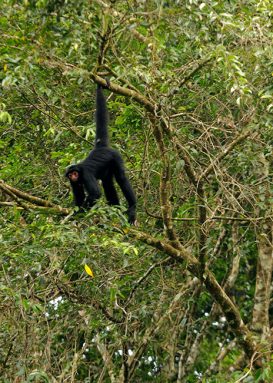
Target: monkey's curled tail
101, 115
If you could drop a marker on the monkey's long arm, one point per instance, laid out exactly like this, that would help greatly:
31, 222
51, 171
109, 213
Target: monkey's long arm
78, 193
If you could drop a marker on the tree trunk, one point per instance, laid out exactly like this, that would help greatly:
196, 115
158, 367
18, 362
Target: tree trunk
260, 321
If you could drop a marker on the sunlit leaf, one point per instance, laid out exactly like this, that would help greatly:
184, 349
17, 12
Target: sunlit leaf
89, 271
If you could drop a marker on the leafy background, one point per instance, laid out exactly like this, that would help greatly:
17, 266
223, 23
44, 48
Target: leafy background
206, 67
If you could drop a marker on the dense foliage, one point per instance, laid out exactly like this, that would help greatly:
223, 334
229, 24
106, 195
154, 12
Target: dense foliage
191, 104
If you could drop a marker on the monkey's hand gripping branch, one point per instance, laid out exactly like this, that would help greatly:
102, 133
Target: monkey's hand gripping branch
124, 91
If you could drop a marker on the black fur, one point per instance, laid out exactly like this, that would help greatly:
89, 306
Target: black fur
105, 164
101, 115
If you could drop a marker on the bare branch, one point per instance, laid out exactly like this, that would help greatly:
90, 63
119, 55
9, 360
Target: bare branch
108, 9
108, 361
230, 310
35, 203
143, 278
225, 152
199, 66
25, 196
155, 327
125, 92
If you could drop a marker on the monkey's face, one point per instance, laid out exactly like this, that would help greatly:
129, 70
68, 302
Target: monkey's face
73, 176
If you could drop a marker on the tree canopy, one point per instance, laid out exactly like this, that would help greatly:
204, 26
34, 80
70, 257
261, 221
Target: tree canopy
184, 296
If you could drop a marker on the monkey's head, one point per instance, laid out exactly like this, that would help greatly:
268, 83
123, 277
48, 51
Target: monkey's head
73, 173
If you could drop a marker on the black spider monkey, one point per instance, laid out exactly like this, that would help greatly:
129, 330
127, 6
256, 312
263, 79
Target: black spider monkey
103, 163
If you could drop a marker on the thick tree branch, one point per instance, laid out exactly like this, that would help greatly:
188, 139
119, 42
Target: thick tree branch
125, 92
224, 350
107, 358
165, 184
8, 204
34, 203
230, 310
25, 196
19, 202
263, 290
229, 283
